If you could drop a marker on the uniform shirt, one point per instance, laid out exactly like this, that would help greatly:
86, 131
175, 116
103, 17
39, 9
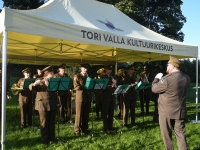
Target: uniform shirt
131, 93
81, 93
44, 101
24, 92
79, 81
172, 90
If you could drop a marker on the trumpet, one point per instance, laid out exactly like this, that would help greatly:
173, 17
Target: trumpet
15, 89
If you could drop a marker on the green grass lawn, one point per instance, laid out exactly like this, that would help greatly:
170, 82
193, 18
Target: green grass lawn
144, 136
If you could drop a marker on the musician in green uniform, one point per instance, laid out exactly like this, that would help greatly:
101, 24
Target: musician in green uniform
65, 102
46, 103
39, 73
120, 78
130, 97
83, 102
145, 94
172, 89
108, 100
25, 100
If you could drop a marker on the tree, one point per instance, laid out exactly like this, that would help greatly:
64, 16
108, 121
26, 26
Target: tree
161, 16
23, 4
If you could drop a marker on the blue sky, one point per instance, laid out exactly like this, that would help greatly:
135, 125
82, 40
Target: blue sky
191, 11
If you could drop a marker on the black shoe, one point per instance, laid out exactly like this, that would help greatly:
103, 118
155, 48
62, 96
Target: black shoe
86, 132
97, 118
107, 132
147, 113
77, 134
54, 141
46, 143
22, 127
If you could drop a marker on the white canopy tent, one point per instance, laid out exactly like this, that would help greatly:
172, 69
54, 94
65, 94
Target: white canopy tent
73, 32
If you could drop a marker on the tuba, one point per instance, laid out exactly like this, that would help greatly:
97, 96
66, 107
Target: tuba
15, 89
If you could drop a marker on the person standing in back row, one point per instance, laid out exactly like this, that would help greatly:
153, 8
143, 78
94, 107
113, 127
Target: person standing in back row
108, 100
65, 102
172, 90
46, 104
130, 97
83, 102
25, 100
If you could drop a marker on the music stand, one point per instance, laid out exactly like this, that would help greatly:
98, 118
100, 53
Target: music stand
122, 89
95, 84
66, 83
27, 82
142, 86
53, 86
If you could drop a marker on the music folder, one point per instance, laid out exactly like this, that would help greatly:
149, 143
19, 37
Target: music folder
53, 84
65, 84
95, 84
143, 85
121, 89
27, 82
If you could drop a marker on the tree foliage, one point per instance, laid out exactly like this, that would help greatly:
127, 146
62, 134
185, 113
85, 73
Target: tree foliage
23, 4
161, 16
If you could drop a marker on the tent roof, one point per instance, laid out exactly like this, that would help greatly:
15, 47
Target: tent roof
86, 31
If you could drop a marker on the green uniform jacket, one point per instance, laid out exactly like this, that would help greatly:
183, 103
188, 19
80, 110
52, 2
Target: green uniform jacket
172, 90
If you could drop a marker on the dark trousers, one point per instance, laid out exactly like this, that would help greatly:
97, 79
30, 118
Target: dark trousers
98, 101
47, 122
108, 113
129, 105
26, 110
82, 116
65, 108
120, 105
145, 96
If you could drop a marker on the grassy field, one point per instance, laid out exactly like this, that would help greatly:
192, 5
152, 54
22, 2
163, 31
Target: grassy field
144, 136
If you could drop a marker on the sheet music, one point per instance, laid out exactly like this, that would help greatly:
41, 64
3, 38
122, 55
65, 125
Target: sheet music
121, 90
98, 86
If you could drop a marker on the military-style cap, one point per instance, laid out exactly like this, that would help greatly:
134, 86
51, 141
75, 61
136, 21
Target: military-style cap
100, 71
85, 65
110, 67
39, 67
62, 66
130, 67
26, 70
174, 61
47, 69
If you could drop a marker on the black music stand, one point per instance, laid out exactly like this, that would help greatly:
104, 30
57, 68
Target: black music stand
122, 89
95, 84
66, 83
53, 86
89, 85
142, 86
27, 82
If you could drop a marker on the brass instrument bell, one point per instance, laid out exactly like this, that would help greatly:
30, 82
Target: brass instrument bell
15, 89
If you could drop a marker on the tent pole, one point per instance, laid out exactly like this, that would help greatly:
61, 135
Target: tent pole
116, 65
197, 64
3, 96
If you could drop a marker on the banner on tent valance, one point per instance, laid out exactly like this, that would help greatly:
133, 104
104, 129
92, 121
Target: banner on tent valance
125, 41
